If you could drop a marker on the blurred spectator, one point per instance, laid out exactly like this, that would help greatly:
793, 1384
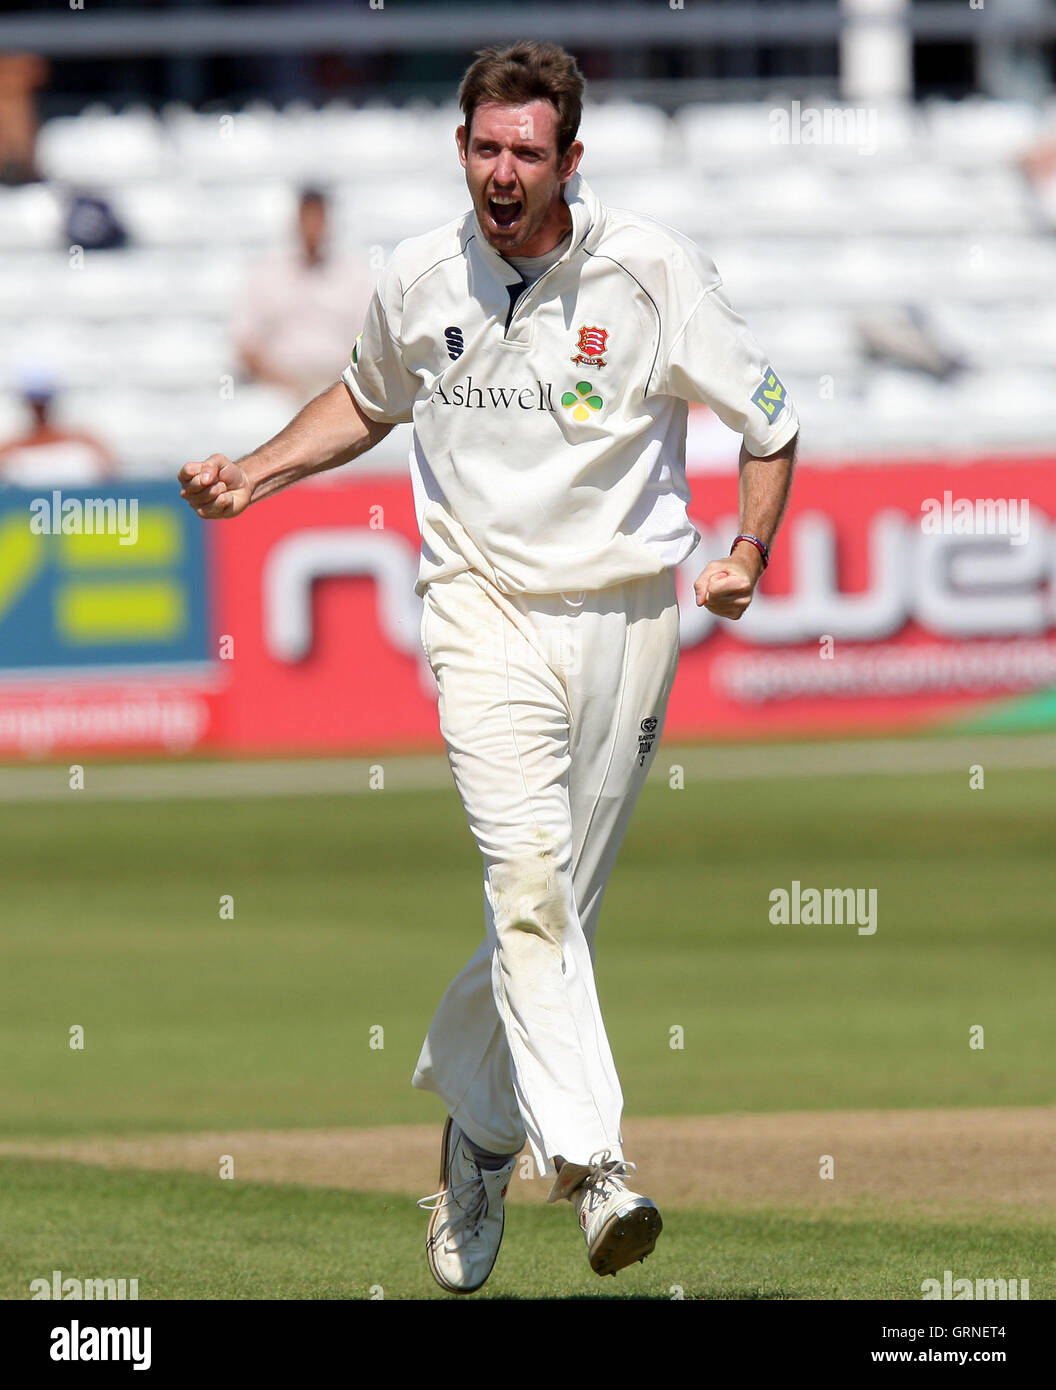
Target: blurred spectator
20, 75
92, 223
904, 336
47, 455
1039, 166
302, 310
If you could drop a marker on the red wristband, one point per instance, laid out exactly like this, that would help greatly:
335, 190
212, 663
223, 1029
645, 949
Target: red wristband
761, 546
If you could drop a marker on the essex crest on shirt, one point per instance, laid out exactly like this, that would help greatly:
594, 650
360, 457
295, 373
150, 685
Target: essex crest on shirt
592, 343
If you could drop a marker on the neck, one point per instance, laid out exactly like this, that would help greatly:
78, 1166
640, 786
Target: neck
554, 230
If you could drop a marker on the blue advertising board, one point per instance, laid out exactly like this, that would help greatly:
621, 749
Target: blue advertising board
100, 578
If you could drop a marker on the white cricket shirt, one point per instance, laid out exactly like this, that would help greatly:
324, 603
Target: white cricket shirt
548, 450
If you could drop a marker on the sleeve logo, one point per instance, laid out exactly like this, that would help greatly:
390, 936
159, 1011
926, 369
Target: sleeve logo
770, 395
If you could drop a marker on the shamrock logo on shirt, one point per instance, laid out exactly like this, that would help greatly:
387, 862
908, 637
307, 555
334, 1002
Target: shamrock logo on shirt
582, 400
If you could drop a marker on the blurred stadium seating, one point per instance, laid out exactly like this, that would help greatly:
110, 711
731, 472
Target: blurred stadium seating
931, 212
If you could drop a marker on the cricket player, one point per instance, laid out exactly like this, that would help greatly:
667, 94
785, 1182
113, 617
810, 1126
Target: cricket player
544, 346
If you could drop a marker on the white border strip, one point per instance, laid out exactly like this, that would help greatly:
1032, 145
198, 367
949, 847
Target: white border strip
174, 781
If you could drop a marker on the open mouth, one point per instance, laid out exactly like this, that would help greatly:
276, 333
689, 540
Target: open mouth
505, 212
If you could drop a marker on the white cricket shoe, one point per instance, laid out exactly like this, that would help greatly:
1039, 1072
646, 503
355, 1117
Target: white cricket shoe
465, 1230
620, 1226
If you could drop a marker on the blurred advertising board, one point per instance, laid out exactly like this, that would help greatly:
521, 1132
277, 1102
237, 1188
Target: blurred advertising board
104, 620
899, 596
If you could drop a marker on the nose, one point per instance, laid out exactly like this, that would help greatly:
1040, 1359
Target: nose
504, 176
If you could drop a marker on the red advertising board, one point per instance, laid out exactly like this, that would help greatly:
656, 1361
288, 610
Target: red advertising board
900, 595
315, 592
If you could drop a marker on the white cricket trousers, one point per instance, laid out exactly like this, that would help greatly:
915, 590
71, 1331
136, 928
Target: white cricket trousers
551, 707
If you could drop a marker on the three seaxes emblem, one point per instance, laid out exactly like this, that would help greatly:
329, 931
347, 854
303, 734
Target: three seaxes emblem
592, 343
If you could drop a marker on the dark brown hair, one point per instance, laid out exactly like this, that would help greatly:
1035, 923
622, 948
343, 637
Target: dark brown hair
525, 72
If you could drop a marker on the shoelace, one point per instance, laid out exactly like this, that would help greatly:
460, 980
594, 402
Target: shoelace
603, 1170
470, 1218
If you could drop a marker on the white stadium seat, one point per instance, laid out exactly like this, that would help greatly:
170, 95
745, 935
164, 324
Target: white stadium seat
418, 202
924, 207
979, 131
625, 136
191, 213
224, 147
718, 137
681, 203
799, 196
30, 217
371, 143
100, 147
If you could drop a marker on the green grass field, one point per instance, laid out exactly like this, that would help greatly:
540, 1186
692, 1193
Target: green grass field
187, 1236
352, 912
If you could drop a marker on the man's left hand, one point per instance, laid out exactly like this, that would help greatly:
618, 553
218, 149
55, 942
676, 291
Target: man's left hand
726, 586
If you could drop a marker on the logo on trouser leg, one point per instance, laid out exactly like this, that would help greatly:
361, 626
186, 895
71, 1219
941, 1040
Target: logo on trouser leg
645, 739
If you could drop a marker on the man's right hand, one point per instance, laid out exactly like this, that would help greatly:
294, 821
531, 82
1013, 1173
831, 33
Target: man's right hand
215, 488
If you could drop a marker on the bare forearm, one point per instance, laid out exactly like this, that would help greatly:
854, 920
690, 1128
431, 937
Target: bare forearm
329, 431
764, 487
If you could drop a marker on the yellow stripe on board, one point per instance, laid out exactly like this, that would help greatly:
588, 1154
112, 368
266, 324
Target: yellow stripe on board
158, 541
143, 611
21, 556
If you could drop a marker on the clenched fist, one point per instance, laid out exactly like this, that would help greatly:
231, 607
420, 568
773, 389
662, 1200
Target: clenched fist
725, 588
215, 488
